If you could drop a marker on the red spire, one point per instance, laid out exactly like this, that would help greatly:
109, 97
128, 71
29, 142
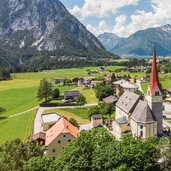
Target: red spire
154, 82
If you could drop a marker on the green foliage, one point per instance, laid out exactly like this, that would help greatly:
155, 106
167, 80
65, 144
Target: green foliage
167, 67
107, 109
55, 93
140, 94
104, 91
98, 150
38, 164
4, 74
15, 153
74, 122
44, 90
2, 110
67, 81
113, 78
93, 111
81, 100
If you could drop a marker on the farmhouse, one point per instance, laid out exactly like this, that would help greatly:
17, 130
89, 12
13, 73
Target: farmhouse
142, 118
71, 95
59, 136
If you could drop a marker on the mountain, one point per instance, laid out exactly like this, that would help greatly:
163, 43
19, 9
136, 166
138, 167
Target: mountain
142, 42
109, 40
30, 28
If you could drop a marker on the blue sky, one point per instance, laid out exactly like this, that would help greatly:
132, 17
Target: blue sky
122, 17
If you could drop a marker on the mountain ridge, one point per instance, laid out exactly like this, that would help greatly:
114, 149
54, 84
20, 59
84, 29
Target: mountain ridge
142, 42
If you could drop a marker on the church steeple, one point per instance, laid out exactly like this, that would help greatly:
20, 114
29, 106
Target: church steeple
154, 81
154, 95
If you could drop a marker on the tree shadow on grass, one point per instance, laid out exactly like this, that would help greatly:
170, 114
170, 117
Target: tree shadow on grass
3, 118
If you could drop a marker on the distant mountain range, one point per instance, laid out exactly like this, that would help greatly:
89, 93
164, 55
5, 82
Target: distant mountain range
140, 43
30, 28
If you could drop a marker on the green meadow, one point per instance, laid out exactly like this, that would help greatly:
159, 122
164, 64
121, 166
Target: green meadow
19, 95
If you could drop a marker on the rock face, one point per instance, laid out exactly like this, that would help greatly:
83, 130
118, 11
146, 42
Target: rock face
32, 26
141, 42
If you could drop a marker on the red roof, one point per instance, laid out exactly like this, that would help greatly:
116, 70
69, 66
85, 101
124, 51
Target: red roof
61, 126
154, 82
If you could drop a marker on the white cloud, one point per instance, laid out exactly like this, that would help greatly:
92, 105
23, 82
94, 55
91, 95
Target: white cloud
102, 27
141, 20
100, 8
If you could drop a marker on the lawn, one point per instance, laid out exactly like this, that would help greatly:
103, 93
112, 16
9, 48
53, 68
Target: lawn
79, 114
17, 127
89, 94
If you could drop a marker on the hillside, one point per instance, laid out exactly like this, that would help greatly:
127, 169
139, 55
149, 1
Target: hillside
35, 28
141, 42
109, 40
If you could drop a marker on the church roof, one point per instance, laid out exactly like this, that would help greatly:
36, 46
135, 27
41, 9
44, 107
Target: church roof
154, 82
143, 113
122, 120
127, 101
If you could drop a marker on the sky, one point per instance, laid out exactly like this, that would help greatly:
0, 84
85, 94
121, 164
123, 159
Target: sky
122, 17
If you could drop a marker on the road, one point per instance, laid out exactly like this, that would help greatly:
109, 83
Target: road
37, 120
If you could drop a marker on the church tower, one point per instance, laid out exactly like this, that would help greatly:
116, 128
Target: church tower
154, 95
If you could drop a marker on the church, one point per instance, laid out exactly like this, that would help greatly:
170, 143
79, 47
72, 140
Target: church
143, 118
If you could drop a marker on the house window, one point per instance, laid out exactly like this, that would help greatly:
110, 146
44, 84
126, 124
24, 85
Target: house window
59, 142
141, 126
64, 135
69, 140
53, 150
141, 134
157, 93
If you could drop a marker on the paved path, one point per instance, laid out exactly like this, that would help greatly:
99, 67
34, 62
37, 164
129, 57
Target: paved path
37, 120
23, 112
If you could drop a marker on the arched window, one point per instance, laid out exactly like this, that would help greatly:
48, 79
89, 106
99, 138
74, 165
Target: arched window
157, 93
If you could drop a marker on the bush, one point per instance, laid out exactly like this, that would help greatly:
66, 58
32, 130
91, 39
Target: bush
2, 109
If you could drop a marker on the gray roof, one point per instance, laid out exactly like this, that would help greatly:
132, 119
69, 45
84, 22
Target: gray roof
110, 99
143, 113
71, 93
122, 120
96, 116
127, 101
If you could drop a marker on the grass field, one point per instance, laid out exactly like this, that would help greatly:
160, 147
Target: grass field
17, 127
89, 95
80, 114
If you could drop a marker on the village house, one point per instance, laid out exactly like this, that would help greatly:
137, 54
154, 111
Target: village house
95, 83
55, 136
141, 118
124, 85
110, 99
70, 96
59, 136
58, 80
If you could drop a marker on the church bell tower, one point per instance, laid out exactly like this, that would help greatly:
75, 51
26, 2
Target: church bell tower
154, 95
